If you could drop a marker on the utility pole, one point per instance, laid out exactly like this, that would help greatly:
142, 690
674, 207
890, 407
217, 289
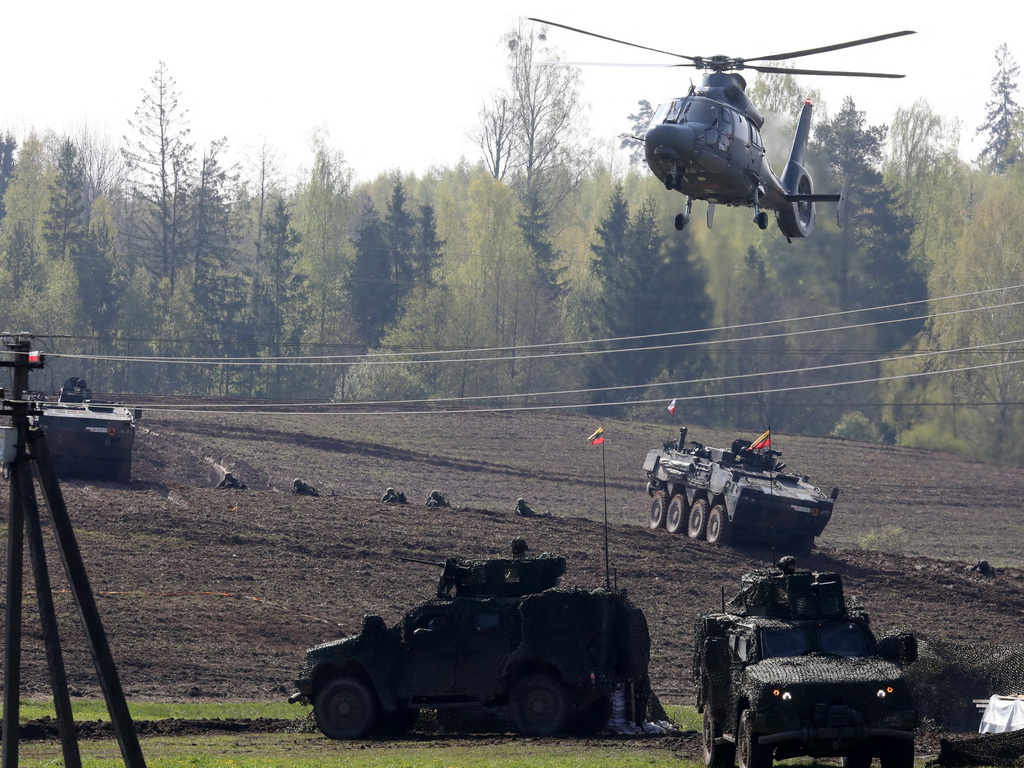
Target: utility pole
26, 453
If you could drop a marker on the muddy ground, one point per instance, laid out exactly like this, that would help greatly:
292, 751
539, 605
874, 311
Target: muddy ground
215, 593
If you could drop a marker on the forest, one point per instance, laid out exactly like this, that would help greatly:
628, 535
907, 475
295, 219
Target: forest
546, 274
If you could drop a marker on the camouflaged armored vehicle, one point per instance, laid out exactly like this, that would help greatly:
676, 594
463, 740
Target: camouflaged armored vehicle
792, 668
499, 633
88, 439
740, 494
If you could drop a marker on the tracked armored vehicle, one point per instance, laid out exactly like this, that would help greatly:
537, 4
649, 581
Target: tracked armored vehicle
498, 634
88, 439
791, 668
733, 495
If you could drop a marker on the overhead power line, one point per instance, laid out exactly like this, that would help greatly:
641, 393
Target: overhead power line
424, 358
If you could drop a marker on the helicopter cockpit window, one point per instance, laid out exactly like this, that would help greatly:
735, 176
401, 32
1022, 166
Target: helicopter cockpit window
700, 111
673, 112
755, 137
742, 132
659, 115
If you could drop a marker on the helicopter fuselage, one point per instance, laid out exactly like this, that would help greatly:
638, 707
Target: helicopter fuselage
707, 145
707, 150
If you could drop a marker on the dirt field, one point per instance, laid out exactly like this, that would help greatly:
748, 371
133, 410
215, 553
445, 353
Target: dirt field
216, 593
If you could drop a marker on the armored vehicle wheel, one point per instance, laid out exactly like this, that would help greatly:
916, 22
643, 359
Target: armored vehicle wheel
719, 525
346, 709
721, 755
659, 501
678, 514
538, 706
750, 753
698, 523
896, 753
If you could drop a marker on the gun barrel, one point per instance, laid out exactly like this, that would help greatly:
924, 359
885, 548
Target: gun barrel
420, 560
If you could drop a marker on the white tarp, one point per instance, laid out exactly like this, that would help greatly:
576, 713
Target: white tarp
1003, 713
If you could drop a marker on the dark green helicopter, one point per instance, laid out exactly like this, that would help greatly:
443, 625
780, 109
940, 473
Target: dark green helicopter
707, 144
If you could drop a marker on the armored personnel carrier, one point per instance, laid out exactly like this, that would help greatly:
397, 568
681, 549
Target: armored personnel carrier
791, 668
739, 494
88, 439
499, 633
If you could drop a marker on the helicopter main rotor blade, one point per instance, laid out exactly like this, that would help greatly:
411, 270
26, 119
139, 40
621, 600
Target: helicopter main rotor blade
611, 39
825, 49
789, 71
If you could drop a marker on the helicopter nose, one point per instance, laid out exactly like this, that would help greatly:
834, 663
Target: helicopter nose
671, 143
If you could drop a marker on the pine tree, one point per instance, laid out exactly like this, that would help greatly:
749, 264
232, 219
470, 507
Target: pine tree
160, 158
1002, 114
428, 248
213, 237
65, 227
7, 147
371, 287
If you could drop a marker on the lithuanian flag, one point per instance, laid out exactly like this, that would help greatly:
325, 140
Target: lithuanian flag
598, 437
764, 441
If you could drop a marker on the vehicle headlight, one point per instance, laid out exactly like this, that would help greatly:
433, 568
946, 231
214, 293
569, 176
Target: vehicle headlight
883, 692
784, 695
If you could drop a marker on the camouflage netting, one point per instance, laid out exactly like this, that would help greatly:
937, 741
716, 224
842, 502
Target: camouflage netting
948, 677
986, 749
591, 615
801, 595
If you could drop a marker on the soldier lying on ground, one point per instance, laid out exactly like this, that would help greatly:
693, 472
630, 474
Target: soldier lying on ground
523, 510
435, 499
391, 496
230, 481
302, 488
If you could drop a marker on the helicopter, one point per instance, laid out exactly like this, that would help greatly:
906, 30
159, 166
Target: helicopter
708, 146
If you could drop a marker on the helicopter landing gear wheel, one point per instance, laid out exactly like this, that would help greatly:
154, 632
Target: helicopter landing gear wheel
670, 181
680, 221
762, 219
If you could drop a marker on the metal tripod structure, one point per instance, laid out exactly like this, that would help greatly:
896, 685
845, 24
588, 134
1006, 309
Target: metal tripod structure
28, 457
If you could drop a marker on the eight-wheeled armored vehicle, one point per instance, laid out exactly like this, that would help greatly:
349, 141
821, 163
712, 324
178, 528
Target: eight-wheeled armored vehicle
791, 668
499, 633
738, 494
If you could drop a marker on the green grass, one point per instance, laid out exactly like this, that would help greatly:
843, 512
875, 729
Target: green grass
96, 709
313, 750
308, 749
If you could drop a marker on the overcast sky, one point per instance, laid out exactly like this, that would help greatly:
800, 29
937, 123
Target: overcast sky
400, 84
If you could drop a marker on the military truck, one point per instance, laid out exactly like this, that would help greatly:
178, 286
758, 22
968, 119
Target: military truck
499, 633
732, 495
791, 667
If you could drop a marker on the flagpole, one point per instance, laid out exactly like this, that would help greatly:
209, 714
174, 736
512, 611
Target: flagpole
604, 483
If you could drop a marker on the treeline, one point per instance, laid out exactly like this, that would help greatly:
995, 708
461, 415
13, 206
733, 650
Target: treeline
540, 275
